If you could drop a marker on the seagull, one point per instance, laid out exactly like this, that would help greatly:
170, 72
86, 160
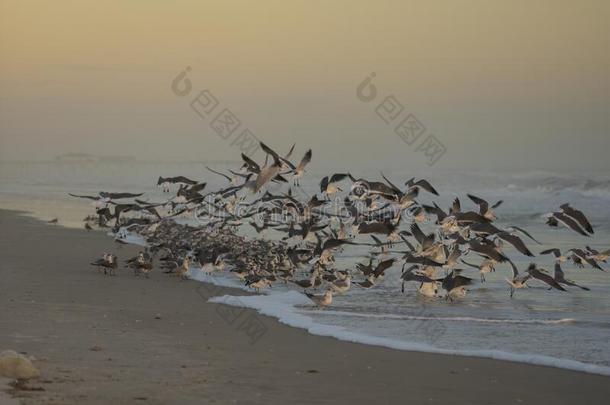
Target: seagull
578, 216
486, 266
143, 266
519, 280
455, 285
327, 185
427, 287
555, 218
268, 173
309, 283
257, 282
108, 263
342, 284
362, 189
299, 170
322, 300
142, 263
584, 257
484, 208
183, 269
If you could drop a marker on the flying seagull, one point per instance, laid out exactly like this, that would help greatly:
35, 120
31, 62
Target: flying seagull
484, 208
578, 216
327, 185
555, 218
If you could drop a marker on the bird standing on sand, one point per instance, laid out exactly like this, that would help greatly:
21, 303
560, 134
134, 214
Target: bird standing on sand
108, 263
183, 269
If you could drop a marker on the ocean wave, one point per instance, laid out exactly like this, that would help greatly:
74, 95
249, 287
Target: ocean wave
451, 318
284, 307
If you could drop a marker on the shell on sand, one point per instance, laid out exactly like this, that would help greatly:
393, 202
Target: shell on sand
16, 365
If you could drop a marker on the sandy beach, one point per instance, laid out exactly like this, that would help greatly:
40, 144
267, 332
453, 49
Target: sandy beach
126, 339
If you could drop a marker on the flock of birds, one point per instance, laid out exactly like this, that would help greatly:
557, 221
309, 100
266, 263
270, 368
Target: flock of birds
309, 233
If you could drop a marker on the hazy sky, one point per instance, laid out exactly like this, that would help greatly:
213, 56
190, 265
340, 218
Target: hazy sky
520, 84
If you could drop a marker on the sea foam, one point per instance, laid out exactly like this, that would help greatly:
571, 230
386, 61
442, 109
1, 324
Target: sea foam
288, 308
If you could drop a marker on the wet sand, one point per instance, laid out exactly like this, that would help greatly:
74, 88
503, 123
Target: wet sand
126, 339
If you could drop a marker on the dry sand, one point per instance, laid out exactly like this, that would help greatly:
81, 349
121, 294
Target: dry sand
126, 339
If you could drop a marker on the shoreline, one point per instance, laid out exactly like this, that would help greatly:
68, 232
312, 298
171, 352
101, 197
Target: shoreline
159, 341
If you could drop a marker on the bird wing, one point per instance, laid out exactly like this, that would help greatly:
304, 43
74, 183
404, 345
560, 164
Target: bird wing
537, 274
456, 206
556, 252
593, 263
383, 266
496, 205
290, 151
219, 173
569, 222
305, 161
486, 250
514, 268
418, 234
424, 261
396, 189
523, 231
459, 281
409, 245
197, 187
118, 196
578, 216
90, 197
272, 153
436, 210
559, 275
426, 186
516, 242
324, 184
180, 179
470, 217
250, 164
484, 205
338, 177
265, 175
373, 227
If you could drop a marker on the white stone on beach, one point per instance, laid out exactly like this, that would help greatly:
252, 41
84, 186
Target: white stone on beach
16, 365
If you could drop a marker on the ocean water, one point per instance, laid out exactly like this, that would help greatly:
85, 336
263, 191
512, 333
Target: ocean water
569, 330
